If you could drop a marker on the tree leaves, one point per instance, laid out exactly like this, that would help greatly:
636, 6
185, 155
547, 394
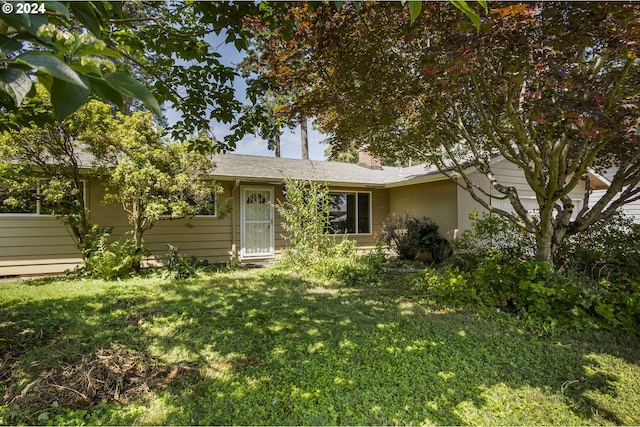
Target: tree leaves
127, 85
16, 83
84, 12
464, 6
47, 63
8, 44
415, 7
67, 98
69, 62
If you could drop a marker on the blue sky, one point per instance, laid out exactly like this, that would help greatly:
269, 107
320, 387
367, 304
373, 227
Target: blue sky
251, 144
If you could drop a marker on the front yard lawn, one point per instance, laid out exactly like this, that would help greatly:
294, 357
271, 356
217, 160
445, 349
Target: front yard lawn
261, 347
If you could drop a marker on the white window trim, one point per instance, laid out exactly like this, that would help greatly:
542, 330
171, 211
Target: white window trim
370, 207
37, 213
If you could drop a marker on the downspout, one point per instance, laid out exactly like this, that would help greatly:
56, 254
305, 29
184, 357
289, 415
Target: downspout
233, 219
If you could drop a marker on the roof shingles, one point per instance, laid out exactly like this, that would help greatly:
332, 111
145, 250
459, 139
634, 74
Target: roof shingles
275, 169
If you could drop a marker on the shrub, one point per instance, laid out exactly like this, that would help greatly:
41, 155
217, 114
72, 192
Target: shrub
529, 289
597, 285
177, 266
608, 251
305, 216
115, 260
407, 235
94, 239
346, 266
447, 285
490, 233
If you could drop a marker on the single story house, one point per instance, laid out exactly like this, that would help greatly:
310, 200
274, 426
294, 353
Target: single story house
365, 194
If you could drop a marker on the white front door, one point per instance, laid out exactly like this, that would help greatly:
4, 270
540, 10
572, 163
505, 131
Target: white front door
256, 230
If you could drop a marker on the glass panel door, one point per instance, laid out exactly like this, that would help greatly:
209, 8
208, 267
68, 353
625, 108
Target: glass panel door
257, 222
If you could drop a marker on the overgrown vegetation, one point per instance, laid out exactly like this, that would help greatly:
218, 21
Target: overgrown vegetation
263, 347
607, 251
597, 285
313, 254
407, 236
111, 260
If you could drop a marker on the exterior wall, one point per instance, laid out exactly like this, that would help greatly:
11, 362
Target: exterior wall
435, 200
379, 212
466, 203
630, 209
510, 175
204, 237
38, 244
35, 245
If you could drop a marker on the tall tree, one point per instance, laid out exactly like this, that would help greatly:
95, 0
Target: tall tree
152, 178
271, 58
304, 138
46, 164
552, 88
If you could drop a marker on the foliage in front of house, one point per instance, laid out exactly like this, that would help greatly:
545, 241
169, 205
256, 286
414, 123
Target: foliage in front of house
313, 254
112, 260
407, 236
598, 285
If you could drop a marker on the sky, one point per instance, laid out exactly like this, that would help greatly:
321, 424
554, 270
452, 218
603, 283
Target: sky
290, 144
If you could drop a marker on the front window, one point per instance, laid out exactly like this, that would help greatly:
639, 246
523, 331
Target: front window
350, 213
202, 202
33, 201
208, 206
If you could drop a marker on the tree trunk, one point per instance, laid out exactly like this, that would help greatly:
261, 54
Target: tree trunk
304, 138
276, 143
544, 250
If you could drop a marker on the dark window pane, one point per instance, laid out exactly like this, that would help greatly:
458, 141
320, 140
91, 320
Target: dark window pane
69, 203
364, 215
341, 213
18, 203
207, 206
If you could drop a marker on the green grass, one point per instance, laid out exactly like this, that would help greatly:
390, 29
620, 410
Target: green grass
265, 348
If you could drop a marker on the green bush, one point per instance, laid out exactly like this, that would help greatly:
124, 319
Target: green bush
407, 235
346, 266
609, 251
446, 285
597, 284
94, 239
490, 233
305, 216
311, 253
115, 260
177, 266
527, 288
340, 264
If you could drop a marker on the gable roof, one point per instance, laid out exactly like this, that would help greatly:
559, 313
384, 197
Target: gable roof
273, 170
269, 169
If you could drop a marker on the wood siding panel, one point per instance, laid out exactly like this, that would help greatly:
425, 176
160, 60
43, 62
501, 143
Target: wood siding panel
35, 245
631, 210
38, 244
507, 174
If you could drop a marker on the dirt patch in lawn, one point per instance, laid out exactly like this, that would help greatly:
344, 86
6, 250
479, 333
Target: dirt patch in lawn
107, 375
